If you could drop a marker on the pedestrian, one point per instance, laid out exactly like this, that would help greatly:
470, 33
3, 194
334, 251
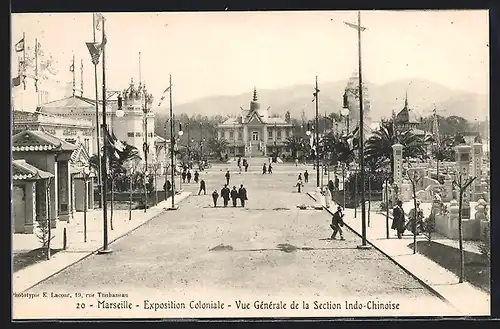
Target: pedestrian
184, 176
228, 176
264, 169
242, 194
239, 167
166, 187
196, 176
299, 185
419, 218
337, 183
215, 196
328, 198
398, 219
202, 188
270, 169
306, 177
239, 162
331, 186
296, 162
224, 193
188, 176
337, 224
234, 196
300, 177
246, 166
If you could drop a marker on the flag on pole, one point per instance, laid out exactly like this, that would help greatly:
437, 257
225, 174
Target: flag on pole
98, 19
355, 26
72, 67
20, 45
353, 138
95, 49
163, 95
17, 81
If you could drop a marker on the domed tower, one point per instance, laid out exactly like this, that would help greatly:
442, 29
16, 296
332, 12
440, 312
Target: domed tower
254, 104
137, 103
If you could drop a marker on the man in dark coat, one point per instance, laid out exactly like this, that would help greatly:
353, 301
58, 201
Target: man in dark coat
239, 162
234, 195
337, 223
245, 164
337, 182
270, 169
398, 219
331, 186
188, 176
306, 177
228, 176
264, 169
225, 194
242, 194
215, 196
184, 176
202, 187
167, 187
196, 176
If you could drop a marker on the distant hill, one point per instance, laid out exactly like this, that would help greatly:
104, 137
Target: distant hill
422, 95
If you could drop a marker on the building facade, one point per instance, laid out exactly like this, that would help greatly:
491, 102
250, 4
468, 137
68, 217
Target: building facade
71, 130
254, 132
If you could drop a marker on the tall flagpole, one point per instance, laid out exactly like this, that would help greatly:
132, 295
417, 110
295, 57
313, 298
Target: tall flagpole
99, 181
81, 77
36, 70
172, 139
316, 93
361, 142
105, 249
24, 63
74, 75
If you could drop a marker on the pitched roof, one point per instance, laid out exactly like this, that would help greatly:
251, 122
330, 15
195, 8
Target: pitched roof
30, 140
21, 170
79, 155
70, 102
407, 115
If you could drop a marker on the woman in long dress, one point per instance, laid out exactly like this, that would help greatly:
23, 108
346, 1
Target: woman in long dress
328, 197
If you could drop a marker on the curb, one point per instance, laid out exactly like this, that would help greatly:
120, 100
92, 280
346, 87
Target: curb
432, 290
96, 250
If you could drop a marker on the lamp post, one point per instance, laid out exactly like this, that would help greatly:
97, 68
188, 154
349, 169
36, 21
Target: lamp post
180, 133
308, 133
85, 174
172, 147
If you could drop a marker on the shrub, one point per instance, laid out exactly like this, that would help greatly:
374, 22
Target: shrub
485, 245
430, 226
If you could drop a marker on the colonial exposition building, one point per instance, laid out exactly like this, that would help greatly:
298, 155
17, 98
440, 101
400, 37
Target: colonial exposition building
254, 132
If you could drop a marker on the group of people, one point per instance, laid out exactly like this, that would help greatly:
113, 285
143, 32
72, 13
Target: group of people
234, 195
244, 162
186, 175
333, 185
267, 169
415, 219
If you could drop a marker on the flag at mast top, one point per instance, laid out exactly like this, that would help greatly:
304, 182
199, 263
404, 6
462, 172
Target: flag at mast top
98, 20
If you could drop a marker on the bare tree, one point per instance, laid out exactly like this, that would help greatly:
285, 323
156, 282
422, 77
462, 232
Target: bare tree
155, 168
45, 234
462, 186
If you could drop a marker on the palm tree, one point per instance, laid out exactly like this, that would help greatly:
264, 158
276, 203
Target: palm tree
379, 145
294, 144
217, 146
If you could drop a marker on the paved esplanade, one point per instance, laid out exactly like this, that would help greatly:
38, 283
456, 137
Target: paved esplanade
172, 253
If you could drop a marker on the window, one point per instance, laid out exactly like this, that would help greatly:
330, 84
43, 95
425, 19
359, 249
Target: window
231, 134
150, 134
240, 136
255, 136
138, 134
130, 134
86, 144
278, 133
270, 133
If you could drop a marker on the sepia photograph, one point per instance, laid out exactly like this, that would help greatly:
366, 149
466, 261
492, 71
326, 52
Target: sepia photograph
250, 164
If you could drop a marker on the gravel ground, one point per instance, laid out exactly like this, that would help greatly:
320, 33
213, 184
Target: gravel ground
257, 250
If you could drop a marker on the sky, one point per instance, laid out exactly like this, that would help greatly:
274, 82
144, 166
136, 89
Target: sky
223, 53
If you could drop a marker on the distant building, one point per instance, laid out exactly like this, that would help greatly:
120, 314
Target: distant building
255, 133
408, 119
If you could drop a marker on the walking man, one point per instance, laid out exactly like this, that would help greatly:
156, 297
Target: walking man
245, 164
270, 168
264, 169
224, 193
215, 196
242, 193
337, 183
234, 195
184, 176
188, 175
296, 162
337, 223
196, 176
299, 184
228, 176
331, 187
398, 221
166, 187
306, 176
202, 188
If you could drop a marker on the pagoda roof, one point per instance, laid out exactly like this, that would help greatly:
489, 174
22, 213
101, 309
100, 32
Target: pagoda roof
407, 115
21, 170
30, 140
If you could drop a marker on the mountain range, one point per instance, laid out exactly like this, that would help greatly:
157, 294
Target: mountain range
423, 95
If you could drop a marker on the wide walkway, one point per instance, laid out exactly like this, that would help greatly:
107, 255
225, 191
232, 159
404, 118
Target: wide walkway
268, 251
444, 282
